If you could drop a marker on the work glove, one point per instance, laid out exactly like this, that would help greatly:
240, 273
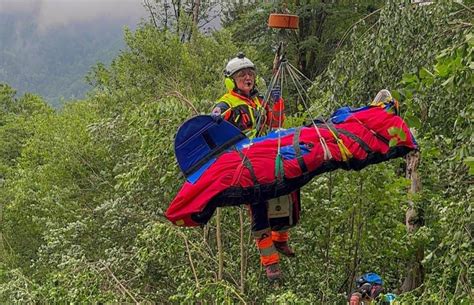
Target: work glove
216, 117
275, 93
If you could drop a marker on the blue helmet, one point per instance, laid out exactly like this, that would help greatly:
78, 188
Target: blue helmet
371, 278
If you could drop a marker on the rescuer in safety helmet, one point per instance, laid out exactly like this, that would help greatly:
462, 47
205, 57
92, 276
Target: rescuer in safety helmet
369, 287
240, 74
245, 108
242, 105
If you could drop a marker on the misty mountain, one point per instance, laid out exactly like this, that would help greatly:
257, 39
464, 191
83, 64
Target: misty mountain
54, 61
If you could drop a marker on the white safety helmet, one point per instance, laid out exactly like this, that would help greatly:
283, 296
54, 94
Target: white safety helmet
238, 63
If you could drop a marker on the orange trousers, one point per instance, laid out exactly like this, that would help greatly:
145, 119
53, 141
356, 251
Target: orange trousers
264, 240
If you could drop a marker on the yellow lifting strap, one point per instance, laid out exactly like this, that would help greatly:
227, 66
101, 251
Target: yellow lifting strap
345, 152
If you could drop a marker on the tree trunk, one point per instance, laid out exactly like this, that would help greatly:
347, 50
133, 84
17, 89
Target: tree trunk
350, 243
242, 252
2, 246
303, 33
196, 10
319, 30
220, 254
359, 221
327, 258
177, 14
413, 220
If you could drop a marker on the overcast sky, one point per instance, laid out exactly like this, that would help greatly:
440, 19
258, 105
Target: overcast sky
60, 12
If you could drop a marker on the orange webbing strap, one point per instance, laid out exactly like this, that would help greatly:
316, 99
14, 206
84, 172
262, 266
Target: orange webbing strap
268, 253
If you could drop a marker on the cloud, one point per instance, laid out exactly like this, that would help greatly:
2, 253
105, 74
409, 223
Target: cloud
49, 13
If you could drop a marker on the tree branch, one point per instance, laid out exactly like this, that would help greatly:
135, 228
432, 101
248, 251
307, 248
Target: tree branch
184, 99
122, 287
149, 7
353, 25
191, 261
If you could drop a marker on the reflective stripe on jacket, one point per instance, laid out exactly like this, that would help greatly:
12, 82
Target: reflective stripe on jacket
248, 114
244, 112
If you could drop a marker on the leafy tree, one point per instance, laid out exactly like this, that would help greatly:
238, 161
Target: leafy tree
182, 17
84, 188
447, 119
405, 40
322, 28
18, 119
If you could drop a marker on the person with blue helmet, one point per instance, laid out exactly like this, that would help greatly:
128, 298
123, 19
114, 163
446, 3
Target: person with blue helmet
368, 287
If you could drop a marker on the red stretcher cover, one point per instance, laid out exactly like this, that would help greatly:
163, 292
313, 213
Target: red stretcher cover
285, 160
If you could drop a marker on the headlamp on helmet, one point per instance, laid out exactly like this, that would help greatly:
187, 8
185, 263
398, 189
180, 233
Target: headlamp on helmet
238, 63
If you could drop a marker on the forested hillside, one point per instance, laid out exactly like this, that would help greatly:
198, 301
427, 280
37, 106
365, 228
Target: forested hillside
53, 62
83, 190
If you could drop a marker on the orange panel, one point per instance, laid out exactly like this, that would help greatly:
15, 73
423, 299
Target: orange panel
283, 21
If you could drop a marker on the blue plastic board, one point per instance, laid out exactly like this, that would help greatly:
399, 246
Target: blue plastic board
200, 139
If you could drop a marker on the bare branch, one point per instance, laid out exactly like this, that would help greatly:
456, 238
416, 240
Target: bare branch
184, 99
191, 261
149, 7
121, 286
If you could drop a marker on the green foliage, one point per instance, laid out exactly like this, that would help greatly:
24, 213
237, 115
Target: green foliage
16, 288
448, 118
378, 59
470, 163
323, 28
83, 190
47, 186
52, 62
398, 135
427, 58
311, 48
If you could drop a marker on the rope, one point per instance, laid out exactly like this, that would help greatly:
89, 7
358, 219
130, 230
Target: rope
322, 141
296, 77
260, 128
345, 152
279, 171
298, 72
266, 98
